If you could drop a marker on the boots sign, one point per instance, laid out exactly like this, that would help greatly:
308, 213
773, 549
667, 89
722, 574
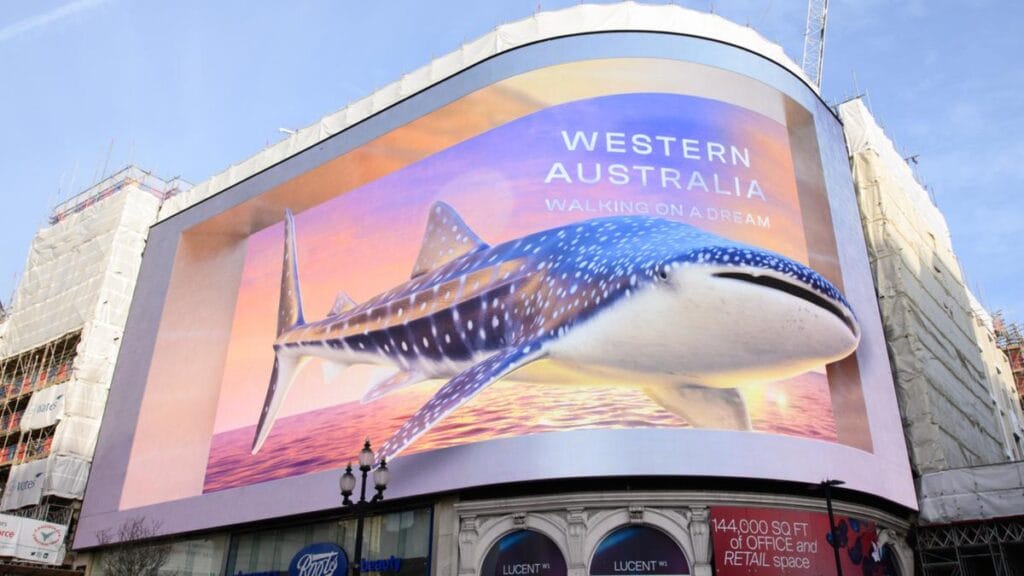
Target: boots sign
323, 559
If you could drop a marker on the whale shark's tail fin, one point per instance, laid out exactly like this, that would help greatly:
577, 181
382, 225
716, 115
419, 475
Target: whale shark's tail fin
289, 308
289, 316
285, 370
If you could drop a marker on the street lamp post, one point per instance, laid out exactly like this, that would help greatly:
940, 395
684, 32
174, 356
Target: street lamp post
827, 485
348, 483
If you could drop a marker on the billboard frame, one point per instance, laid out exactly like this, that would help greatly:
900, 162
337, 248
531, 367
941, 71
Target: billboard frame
305, 494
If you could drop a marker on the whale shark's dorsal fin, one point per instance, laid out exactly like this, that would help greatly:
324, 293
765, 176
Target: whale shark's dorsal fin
447, 237
342, 303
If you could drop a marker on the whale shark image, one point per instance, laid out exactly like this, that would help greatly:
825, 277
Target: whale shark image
682, 314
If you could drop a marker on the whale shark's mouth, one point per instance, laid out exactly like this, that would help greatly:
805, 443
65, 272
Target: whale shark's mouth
794, 290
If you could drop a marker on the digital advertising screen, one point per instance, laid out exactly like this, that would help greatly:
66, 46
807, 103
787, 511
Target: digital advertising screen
607, 266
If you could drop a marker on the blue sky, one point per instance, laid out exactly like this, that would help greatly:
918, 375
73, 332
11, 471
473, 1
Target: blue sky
188, 88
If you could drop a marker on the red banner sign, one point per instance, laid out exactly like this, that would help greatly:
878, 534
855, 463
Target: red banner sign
775, 542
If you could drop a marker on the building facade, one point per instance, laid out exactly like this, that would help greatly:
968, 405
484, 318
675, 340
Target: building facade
600, 286
58, 345
962, 414
537, 183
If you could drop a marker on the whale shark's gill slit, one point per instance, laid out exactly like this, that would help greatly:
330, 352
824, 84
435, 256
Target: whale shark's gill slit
792, 290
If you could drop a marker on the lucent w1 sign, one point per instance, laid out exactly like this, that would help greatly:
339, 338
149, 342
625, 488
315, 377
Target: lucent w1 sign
582, 255
524, 552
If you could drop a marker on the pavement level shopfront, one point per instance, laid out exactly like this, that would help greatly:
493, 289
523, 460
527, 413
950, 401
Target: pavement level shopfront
666, 533
576, 534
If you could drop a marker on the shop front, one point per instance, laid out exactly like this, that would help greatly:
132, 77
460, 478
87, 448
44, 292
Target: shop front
395, 544
612, 533
674, 534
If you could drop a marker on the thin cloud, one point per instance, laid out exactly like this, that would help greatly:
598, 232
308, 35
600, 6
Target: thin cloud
46, 18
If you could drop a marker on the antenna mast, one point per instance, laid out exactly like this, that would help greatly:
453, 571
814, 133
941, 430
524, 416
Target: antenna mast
814, 39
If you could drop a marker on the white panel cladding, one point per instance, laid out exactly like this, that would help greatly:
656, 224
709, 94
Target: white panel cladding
950, 390
81, 274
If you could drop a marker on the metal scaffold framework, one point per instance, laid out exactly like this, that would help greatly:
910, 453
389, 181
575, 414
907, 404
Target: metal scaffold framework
1010, 339
58, 343
20, 377
993, 547
814, 40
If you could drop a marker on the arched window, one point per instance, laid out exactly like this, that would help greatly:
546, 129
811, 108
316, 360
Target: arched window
887, 563
524, 553
638, 551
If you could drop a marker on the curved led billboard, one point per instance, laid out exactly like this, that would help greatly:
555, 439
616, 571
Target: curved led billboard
607, 265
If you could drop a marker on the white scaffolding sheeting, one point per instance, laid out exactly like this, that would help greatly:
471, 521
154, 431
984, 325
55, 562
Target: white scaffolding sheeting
66, 477
80, 276
81, 272
588, 18
24, 485
58, 289
45, 408
1000, 376
968, 494
942, 378
57, 475
85, 400
76, 436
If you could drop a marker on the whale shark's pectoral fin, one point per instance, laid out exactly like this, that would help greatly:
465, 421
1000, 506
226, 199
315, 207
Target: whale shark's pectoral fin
703, 407
458, 391
446, 238
391, 383
342, 303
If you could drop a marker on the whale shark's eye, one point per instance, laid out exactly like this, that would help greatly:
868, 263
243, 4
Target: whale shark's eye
663, 273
